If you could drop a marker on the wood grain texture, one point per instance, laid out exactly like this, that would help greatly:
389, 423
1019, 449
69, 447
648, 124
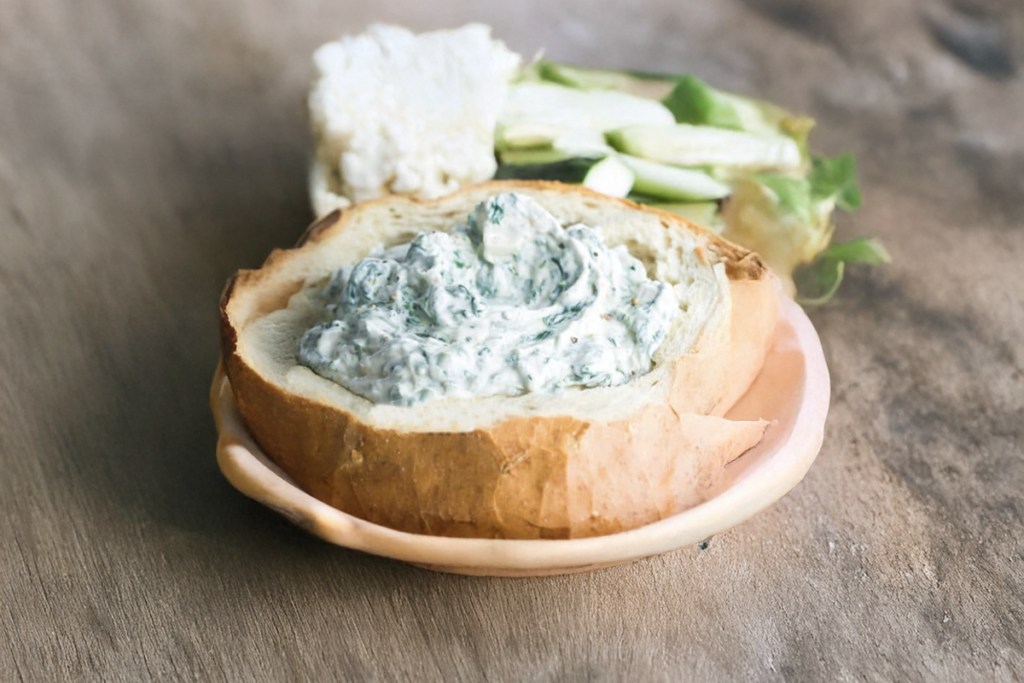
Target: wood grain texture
148, 149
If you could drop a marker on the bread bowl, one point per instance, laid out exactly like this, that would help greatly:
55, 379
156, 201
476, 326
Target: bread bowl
791, 391
572, 463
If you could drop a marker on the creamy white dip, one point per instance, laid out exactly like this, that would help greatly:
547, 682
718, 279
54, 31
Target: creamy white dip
509, 302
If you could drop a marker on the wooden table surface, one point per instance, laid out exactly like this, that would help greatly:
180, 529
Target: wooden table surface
148, 149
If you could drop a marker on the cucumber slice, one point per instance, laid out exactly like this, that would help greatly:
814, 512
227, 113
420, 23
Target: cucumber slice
610, 176
654, 86
571, 170
556, 109
524, 135
581, 77
687, 145
672, 183
572, 142
535, 157
704, 214
606, 175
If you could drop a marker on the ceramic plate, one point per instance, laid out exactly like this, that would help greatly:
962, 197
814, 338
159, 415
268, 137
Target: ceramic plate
792, 392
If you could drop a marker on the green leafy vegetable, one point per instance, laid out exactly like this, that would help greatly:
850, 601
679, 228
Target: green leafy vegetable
774, 216
787, 220
836, 178
865, 250
792, 194
817, 281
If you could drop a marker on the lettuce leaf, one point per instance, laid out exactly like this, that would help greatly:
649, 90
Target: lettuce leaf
817, 281
774, 216
793, 195
787, 220
836, 179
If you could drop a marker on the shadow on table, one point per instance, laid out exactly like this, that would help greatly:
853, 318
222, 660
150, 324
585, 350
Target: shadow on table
140, 424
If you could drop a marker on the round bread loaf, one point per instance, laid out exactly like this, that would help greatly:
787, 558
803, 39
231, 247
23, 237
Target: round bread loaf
568, 464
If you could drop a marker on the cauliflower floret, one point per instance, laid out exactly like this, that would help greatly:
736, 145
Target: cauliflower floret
399, 113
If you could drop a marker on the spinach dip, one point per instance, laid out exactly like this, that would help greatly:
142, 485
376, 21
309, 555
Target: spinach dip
507, 303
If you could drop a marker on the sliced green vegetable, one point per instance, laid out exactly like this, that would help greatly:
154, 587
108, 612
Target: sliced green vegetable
687, 145
694, 101
643, 83
699, 144
582, 77
672, 183
704, 214
523, 136
572, 170
610, 176
607, 175
526, 135
555, 110
533, 157
817, 282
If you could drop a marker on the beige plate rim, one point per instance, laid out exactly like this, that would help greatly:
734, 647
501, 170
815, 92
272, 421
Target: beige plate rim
792, 392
